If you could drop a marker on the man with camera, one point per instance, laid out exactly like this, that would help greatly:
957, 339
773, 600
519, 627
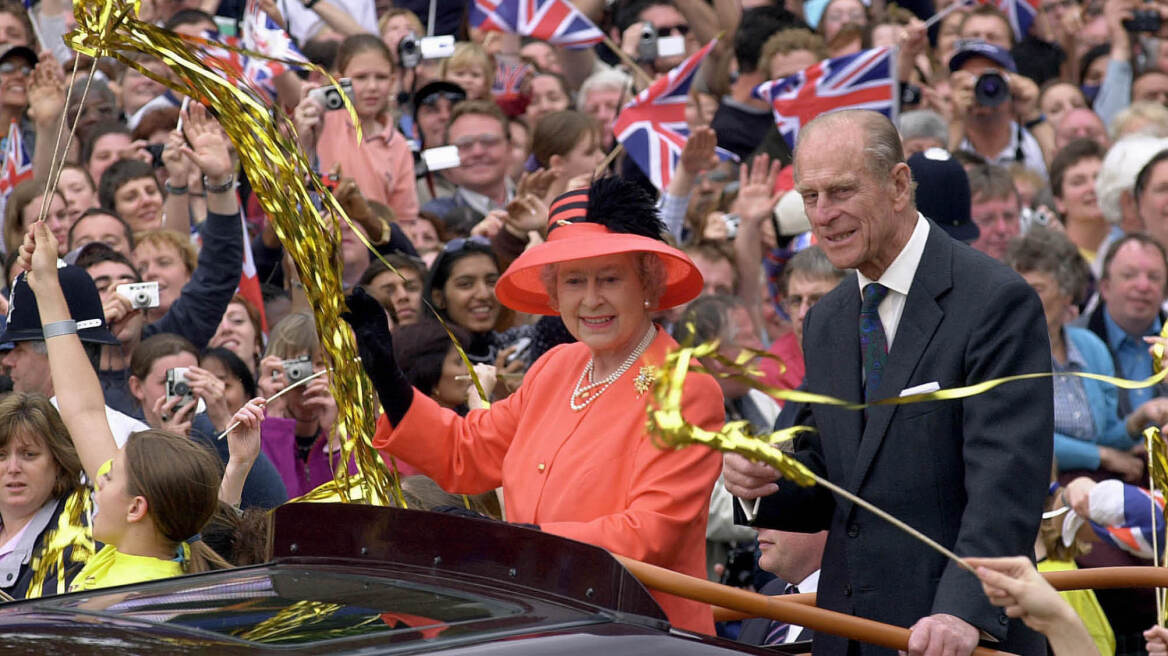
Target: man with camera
995, 110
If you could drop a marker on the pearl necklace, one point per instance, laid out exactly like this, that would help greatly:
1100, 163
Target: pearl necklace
583, 390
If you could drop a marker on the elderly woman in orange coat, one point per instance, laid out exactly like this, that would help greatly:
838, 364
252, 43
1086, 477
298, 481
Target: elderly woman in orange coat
570, 447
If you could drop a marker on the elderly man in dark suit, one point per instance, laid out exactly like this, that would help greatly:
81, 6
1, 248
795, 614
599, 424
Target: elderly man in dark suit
926, 312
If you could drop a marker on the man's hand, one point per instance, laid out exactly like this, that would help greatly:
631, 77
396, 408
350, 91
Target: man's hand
1157, 638
961, 86
210, 146
942, 635
747, 479
1024, 92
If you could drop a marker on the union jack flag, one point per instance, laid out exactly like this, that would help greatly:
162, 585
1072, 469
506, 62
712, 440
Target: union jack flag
1020, 13
261, 73
509, 77
652, 126
864, 80
556, 21
1121, 515
260, 33
17, 162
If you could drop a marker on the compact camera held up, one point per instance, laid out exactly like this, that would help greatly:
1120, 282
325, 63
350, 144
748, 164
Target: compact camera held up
329, 96
297, 369
142, 295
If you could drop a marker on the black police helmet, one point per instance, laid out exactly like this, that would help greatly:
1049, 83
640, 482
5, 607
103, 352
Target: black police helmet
24, 319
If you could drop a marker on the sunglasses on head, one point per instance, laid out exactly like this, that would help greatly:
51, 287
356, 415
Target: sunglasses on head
433, 98
455, 245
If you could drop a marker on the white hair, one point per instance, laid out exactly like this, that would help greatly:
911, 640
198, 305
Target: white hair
1120, 168
608, 78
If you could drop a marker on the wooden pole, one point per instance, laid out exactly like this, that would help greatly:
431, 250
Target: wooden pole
777, 608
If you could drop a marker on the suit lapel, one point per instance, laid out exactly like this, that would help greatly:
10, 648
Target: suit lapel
918, 323
843, 380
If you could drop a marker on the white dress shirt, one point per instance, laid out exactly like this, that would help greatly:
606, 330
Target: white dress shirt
898, 278
809, 584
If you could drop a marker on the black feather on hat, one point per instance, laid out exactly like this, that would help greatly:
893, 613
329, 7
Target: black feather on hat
622, 206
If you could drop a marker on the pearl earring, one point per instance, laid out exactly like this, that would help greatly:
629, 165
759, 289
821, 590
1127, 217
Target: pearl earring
646, 304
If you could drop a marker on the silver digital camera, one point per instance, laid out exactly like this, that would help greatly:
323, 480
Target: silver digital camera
330, 96
177, 385
297, 369
142, 295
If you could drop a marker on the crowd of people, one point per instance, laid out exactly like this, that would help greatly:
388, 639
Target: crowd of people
1017, 203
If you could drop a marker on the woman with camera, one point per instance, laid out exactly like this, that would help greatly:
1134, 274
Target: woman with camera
381, 162
297, 433
173, 394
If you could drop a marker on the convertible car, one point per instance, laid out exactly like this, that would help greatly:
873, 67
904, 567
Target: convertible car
349, 579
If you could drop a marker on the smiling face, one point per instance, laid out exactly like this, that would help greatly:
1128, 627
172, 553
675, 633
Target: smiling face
602, 303
840, 13
858, 220
139, 202
137, 89
27, 475
469, 293
161, 263
1077, 200
471, 79
583, 159
1133, 286
107, 276
237, 334
482, 149
449, 392
373, 77
15, 73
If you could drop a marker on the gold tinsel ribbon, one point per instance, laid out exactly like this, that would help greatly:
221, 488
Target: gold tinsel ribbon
68, 543
282, 178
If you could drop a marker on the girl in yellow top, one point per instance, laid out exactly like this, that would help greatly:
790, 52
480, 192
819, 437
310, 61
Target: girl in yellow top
154, 495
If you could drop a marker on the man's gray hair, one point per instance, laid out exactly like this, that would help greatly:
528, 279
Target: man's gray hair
923, 124
883, 149
1120, 168
811, 262
609, 78
991, 182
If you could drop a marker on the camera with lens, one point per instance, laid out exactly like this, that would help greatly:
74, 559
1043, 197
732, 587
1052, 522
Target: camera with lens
1143, 20
297, 369
142, 295
409, 50
177, 385
991, 89
330, 97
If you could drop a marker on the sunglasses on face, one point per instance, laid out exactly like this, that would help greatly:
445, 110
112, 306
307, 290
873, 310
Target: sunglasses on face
668, 30
433, 98
464, 144
8, 68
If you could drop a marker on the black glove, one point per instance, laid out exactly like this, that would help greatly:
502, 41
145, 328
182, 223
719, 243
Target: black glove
375, 345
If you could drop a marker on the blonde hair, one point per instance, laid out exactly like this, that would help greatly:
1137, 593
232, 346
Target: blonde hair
160, 237
468, 54
293, 336
415, 22
787, 41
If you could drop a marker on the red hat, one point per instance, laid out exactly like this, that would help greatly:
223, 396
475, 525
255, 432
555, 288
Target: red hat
577, 231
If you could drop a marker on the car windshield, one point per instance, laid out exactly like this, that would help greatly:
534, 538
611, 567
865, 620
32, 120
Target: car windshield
297, 607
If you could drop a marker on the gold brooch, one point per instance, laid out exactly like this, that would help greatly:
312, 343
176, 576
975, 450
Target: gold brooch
645, 379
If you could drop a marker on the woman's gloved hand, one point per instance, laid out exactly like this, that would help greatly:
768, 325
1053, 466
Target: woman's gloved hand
375, 345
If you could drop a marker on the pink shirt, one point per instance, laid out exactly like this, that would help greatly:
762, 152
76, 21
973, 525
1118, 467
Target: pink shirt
382, 165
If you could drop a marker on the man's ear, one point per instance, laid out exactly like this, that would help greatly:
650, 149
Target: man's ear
901, 178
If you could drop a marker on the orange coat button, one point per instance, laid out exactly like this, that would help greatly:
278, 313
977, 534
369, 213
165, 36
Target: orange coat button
541, 466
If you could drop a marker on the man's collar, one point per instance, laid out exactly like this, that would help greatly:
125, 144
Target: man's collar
1116, 333
899, 275
482, 203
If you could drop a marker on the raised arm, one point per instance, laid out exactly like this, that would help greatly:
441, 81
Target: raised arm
79, 395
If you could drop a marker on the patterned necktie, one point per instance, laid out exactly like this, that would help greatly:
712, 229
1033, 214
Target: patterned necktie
873, 344
777, 632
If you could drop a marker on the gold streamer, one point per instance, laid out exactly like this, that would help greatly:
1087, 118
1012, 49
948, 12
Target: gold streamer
264, 138
668, 428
